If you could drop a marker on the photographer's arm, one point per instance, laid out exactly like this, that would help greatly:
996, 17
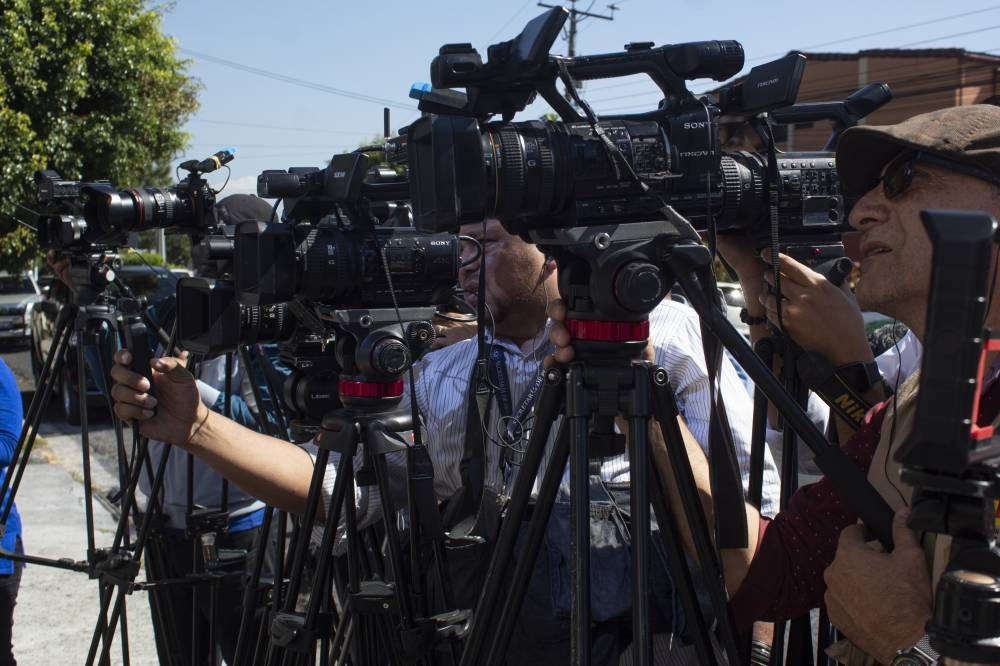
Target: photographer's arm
272, 470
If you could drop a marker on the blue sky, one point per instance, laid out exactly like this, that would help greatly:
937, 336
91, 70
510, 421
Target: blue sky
377, 49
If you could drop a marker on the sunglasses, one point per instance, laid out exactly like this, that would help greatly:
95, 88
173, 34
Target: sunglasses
898, 174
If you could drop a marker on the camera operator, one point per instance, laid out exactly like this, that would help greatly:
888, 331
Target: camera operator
814, 552
520, 283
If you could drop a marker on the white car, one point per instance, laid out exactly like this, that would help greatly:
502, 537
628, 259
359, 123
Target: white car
18, 295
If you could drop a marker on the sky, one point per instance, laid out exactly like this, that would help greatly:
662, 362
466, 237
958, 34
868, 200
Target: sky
291, 84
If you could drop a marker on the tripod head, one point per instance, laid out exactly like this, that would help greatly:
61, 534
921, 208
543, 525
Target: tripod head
374, 348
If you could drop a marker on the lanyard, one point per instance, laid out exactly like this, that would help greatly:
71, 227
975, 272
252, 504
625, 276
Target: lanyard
511, 430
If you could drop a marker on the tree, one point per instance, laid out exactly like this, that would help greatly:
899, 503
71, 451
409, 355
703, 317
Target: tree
90, 88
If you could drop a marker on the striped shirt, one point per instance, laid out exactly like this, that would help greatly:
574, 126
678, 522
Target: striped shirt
442, 391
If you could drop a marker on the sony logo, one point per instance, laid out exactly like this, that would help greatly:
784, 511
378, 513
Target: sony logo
769, 82
700, 125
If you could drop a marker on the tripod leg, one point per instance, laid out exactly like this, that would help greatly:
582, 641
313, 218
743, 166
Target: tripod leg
249, 594
532, 545
639, 457
578, 417
684, 585
546, 409
665, 409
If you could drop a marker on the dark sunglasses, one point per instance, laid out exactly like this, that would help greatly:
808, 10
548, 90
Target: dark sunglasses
898, 174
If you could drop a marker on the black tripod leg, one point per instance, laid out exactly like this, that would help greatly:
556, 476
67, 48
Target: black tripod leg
252, 585
684, 585
665, 409
549, 400
639, 457
532, 544
578, 417
302, 546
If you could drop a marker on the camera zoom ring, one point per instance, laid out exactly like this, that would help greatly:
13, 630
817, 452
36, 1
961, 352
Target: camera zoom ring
546, 192
512, 173
732, 193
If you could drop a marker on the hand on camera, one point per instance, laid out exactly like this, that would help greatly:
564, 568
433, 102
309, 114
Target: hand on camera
817, 315
174, 415
560, 337
449, 331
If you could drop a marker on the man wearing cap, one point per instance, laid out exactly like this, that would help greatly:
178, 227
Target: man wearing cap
814, 552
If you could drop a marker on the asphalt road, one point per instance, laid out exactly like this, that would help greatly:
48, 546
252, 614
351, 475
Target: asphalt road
58, 609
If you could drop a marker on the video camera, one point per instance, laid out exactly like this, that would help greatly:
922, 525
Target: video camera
95, 216
344, 283
588, 171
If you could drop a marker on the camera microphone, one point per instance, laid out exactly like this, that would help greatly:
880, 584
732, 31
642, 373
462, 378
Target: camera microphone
224, 156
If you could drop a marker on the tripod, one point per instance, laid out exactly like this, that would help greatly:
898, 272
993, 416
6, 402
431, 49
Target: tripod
388, 614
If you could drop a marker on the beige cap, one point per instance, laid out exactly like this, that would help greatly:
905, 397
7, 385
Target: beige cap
967, 134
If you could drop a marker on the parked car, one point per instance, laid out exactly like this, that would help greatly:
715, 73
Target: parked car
732, 294
18, 296
151, 283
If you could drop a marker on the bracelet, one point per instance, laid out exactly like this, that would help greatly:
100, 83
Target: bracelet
197, 429
750, 320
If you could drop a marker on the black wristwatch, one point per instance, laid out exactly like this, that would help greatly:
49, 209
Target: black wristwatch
921, 654
859, 377
751, 320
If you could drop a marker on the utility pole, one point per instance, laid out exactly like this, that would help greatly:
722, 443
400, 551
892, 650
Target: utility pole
575, 16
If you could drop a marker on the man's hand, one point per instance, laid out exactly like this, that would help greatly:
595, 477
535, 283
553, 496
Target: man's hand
560, 337
819, 316
179, 412
880, 601
449, 331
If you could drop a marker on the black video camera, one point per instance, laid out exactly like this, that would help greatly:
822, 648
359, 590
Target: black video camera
89, 216
587, 171
344, 244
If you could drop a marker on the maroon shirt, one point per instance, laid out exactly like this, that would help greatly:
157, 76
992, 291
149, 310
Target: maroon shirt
785, 578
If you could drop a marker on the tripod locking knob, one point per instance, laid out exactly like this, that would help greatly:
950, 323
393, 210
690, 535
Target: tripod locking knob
639, 286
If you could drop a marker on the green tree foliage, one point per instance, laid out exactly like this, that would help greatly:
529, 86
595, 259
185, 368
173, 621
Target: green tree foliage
91, 88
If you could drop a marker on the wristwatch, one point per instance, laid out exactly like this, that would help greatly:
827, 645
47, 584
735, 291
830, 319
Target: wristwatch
921, 654
860, 377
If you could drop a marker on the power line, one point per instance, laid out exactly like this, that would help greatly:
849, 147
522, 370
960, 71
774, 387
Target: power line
508, 21
340, 92
285, 128
882, 32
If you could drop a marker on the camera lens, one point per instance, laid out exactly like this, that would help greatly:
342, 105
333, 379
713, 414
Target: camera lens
139, 208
